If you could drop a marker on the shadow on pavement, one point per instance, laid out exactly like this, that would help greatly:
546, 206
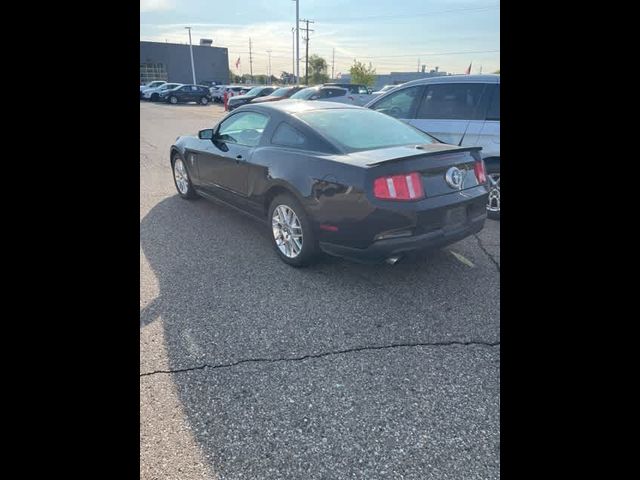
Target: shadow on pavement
378, 409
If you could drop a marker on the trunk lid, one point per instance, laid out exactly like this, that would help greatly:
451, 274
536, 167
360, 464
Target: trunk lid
434, 162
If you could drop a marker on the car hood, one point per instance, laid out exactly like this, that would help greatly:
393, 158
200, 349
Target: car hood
243, 97
268, 98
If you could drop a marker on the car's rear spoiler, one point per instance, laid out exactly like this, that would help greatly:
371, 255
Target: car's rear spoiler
433, 150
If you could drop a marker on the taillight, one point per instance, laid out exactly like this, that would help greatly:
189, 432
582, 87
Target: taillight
478, 168
405, 187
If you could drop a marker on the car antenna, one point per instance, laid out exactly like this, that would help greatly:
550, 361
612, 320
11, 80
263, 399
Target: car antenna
473, 112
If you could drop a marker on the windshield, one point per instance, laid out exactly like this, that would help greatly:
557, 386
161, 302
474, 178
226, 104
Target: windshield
363, 129
254, 91
305, 93
280, 92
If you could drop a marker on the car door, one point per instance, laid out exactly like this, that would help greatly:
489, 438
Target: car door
401, 104
222, 163
183, 94
449, 111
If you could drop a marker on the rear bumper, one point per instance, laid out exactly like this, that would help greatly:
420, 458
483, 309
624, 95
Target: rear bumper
382, 249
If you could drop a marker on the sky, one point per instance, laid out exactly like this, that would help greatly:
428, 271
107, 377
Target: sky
393, 36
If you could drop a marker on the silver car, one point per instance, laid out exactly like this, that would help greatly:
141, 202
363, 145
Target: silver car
456, 109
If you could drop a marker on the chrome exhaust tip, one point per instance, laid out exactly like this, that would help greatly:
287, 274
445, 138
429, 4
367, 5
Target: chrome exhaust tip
392, 260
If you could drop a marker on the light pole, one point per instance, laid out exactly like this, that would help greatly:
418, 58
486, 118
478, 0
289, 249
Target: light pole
193, 69
293, 50
297, 41
269, 80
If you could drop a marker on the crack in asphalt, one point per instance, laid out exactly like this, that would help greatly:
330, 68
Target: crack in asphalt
326, 354
482, 247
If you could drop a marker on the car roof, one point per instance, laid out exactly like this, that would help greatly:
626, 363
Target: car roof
485, 78
296, 106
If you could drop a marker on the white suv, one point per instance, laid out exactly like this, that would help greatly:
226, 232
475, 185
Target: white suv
456, 109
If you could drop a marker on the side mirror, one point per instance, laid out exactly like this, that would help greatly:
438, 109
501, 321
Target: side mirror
206, 134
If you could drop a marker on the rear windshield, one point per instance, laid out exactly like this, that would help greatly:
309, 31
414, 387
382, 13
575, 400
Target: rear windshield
304, 94
363, 129
280, 92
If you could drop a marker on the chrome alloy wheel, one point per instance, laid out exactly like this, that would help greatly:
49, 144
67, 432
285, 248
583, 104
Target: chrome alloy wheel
493, 202
287, 231
180, 175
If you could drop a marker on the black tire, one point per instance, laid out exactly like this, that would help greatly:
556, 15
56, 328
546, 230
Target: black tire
493, 214
309, 252
173, 100
204, 101
190, 193
154, 97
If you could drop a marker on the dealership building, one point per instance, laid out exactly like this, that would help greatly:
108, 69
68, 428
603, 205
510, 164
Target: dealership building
171, 62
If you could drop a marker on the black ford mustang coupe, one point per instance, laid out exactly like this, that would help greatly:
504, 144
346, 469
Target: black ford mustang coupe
331, 177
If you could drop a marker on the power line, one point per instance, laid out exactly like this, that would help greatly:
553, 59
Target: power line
306, 65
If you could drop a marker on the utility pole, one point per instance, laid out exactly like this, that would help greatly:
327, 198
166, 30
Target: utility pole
269, 80
418, 65
333, 62
297, 41
293, 50
306, 66
193, 69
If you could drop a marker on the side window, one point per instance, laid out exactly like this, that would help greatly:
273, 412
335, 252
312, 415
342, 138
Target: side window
286, 135
184, 89
454, 101
244, 128
494, 108
194, 89
400, 104
331, 92
363, 91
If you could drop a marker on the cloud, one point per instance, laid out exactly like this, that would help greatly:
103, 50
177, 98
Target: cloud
155, 5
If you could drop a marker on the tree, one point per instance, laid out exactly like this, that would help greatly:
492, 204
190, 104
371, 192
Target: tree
317, 70
360, 73
497, 71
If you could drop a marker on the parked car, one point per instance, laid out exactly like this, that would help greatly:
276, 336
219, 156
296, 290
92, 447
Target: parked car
153, 94
217, 92
187, 93
356, 88
279, 94
384, 89
255, 92
235, 89
332, 94
154, 84
345, 180
456, 109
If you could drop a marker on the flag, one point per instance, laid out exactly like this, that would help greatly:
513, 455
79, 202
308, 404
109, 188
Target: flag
468, 69
238, 63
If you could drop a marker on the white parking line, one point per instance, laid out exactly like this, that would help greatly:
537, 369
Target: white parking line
462, 259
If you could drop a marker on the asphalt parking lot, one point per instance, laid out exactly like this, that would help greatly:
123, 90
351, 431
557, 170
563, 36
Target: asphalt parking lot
250, 369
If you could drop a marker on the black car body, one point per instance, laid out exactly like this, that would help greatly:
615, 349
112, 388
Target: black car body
256, 92
187, 93
348, 197
279, 94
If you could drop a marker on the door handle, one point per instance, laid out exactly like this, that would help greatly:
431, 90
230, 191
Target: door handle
238, 158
